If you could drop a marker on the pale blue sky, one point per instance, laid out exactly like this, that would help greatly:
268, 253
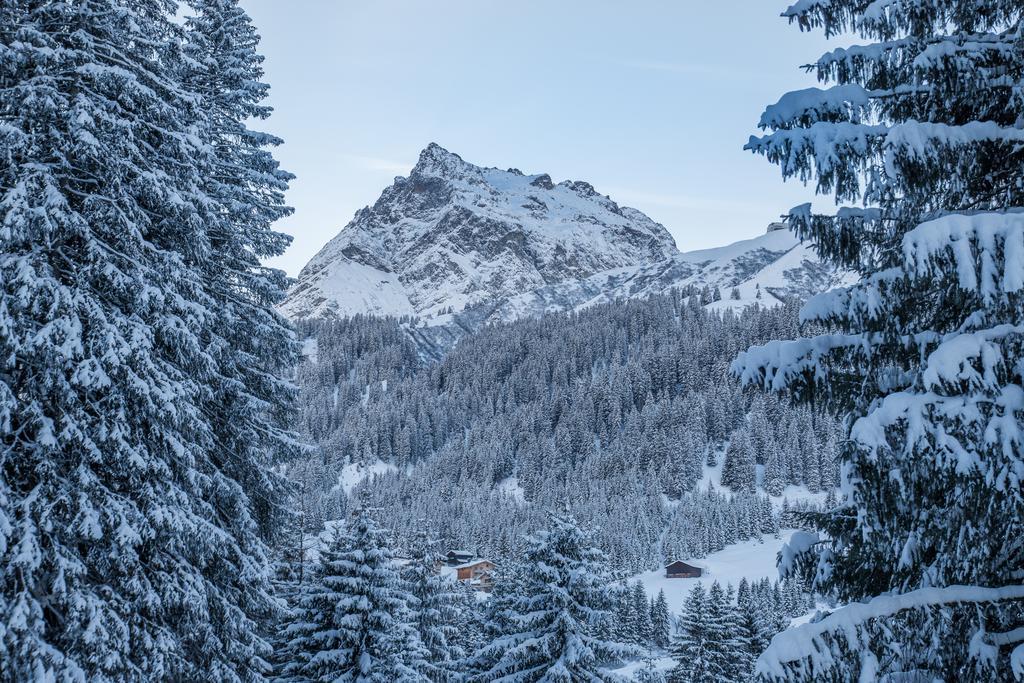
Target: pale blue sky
649, 101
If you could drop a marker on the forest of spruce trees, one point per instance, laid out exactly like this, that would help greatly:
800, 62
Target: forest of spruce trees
174, 503
616, 411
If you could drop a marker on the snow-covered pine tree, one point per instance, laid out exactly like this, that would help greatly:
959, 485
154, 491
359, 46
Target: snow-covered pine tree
738, 471
753, 631
353, 621
471, 628
739, 662
641, 613
724, 650
622, 617
554, 622
754, 625
436, 612
691, 647
499, 616
133, 508
774, 482
509, 584
251, 343
919, 138
661, 621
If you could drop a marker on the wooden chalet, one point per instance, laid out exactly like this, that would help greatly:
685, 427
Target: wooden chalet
456, 557
478, 573
681, 570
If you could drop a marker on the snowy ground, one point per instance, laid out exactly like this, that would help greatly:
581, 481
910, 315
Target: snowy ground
752, 560
510, 487
354, 472
310, 349
661, 663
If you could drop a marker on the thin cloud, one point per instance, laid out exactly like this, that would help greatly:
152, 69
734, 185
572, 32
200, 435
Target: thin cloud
377, 164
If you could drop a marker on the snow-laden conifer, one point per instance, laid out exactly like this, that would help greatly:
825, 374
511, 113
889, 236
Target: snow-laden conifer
640, 624
707, 646
738, 471
661, 621
353, 620
438, 601
552, 635
244, 186
918, 137
692, 647
739, 661
136, 432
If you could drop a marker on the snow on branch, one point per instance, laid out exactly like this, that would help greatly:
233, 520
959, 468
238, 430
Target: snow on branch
953, 360
863, 299
803, 7
970, 47
973, 240
800, 543
922, 417
920, 138
815, 104
775, 364
974, 48
871, 52
825, 141
831, 144
807, 641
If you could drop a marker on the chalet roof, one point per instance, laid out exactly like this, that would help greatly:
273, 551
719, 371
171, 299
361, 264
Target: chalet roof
474, 563
677, 563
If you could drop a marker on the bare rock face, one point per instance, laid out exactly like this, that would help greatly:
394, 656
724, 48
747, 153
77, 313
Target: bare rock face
453, 235
482, 244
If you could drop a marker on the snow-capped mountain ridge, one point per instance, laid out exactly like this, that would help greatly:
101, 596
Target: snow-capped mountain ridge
453, 237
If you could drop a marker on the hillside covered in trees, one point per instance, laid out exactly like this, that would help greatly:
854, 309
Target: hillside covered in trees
617, 411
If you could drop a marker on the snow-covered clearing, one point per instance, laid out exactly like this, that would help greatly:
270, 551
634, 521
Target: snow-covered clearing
753, 560
310, 348
510, 487
353, 473
630, 670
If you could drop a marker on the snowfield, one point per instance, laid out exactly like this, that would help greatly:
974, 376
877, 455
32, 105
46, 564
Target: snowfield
753, 560
354, 473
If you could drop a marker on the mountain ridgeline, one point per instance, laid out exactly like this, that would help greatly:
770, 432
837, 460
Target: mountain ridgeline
458, 245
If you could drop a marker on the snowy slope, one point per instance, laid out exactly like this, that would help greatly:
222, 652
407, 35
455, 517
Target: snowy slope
753, 560
490, 245
353, 473
776, 263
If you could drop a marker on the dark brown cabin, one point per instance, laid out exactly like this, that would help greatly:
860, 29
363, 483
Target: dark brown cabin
681, 570
455, 557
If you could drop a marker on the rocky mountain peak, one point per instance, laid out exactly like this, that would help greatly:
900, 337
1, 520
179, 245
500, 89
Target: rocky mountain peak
453, 237
435, 160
